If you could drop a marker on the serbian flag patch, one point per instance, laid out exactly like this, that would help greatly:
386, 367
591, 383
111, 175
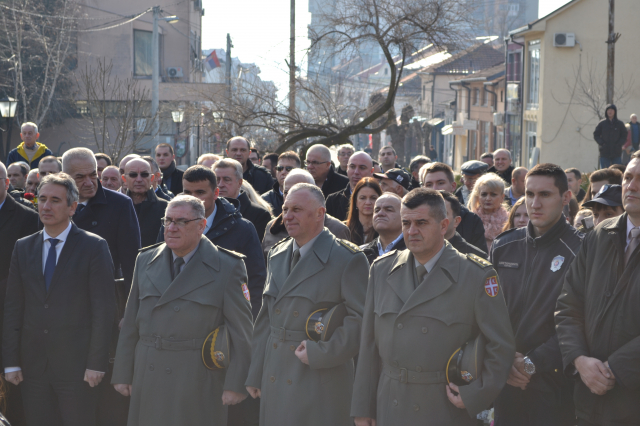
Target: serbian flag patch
491, 286
245, 291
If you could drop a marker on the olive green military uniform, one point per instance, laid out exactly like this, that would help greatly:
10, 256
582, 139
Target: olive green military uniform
410, 331
293, 393
165, 324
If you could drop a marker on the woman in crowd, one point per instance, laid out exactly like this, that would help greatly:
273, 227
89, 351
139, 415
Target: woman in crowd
518, 216
486, 200
360, 216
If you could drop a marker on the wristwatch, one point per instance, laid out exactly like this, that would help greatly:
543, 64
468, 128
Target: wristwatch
529, 366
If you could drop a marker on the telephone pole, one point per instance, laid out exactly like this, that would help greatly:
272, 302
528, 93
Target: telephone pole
228, 66
292, 62
612, 38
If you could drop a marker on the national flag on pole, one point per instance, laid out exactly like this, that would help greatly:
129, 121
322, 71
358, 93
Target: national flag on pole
212, 61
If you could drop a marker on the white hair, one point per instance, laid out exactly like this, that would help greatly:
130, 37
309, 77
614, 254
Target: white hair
197, 206
254, 197
77, 154
322, 150
312, 189
301, 172
29, 124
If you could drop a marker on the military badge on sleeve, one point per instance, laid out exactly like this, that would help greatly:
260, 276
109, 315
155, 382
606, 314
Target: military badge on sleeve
245, 291
556, 263
491, 286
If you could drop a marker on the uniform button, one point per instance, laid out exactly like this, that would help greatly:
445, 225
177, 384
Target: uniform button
46, 331
395, 363
289, 382
400, 326
416, 407
273, 379
295, 314
419, 369
277, 311
177, 308
275, 346
292, 347
168, 371
395, 402
424, 330
151, 367
46, 306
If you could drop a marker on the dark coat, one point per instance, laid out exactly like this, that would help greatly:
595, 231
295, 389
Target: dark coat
231, 231
110, 215
162, 195
338, 203
19, 154
254, 213
150, 213
274, 198
464, 247
67, 329
335, 182
340, 171
458, 194
173, 176
597, 316
506, 175
259, 177
472, 229
371, 250
610, 135
18, 195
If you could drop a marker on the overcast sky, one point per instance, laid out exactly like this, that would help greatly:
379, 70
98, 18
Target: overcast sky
547, 6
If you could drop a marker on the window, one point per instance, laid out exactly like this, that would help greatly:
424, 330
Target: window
142, 64
476, 96
532, 133
513, 66
486, 135
485, 97
534, 74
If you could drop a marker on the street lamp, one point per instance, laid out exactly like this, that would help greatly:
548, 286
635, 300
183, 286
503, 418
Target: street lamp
7, 110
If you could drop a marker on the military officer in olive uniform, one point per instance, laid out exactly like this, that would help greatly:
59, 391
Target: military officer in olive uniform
423, 304
183, 290
302, 381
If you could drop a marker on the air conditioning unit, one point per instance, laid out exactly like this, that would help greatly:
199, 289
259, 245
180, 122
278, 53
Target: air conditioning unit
174, 72
498, 118
564, 39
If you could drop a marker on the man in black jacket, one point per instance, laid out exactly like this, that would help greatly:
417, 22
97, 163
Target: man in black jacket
171, 175
454, 238
239, 149
597, 316
502, 165
388, 225
610, 134
59, 312
287, 161
318, 163
360, 166
439, 176
531, 263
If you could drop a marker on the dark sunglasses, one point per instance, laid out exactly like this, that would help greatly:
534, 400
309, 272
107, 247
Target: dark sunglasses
134, 175
281, 168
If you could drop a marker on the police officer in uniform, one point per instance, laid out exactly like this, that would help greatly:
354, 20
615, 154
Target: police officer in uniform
422, 305
302, 381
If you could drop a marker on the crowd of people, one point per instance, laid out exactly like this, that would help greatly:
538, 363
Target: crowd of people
269, 290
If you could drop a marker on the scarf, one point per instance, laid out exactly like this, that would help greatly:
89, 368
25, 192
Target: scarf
493, 222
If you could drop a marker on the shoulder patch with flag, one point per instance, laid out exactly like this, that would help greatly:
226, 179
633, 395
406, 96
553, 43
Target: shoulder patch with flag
245, 291
491, 286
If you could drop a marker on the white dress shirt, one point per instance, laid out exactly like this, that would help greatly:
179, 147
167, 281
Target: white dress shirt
383, 250
209, 220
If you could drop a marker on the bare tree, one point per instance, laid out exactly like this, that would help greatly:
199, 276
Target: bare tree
116, 110
329, 112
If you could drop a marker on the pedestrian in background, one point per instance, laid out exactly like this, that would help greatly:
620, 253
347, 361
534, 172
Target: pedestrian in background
611, 135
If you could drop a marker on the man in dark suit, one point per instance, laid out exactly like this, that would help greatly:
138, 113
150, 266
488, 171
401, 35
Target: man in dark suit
239, 149
160, 190
171, 175
454, 238
59, 312
110, 215
318, 163
16, 221
229, 175
149, 208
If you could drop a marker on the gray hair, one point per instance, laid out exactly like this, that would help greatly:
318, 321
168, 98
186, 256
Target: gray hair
65, 180
312, 189
32, 171
322, 150
229, 163
207, 156
347, 146
29, 124
413, 166
197, 206
303, 173
77, 154
498, 151
24, 167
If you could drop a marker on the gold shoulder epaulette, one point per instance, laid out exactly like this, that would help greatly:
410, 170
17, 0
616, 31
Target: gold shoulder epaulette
387, 254
478, 260
349, 245
232, 253
143, 249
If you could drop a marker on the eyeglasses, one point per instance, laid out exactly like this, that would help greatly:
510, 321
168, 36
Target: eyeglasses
134, 175
287, 168
180, 223
314, 163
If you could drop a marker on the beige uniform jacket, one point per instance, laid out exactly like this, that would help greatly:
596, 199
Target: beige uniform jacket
293, 393
160, 346
409, 335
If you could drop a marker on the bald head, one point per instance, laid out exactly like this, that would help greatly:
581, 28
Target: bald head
294, 177
125, 160
360, 166
135, 163
320, 150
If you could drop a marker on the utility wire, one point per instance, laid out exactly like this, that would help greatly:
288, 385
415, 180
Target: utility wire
38, 15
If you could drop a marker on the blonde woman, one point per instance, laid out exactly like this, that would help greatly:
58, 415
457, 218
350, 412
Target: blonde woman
487, 201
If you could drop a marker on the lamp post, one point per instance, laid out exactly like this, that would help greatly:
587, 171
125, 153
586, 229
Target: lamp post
177, 116
7, 110
155, 74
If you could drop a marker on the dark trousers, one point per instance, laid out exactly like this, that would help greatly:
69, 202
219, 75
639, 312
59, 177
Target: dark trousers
247, 413
534, 407
113, 408
51, 401
15, 410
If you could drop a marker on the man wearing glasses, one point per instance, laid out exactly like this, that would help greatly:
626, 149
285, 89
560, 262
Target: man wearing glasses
184, 289
287, 161
318, 163
149, 208
344, 153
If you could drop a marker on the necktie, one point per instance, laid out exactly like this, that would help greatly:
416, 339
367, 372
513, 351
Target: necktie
50, 264
80, 208
422, 272
633, 243
177, 264
295, 259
